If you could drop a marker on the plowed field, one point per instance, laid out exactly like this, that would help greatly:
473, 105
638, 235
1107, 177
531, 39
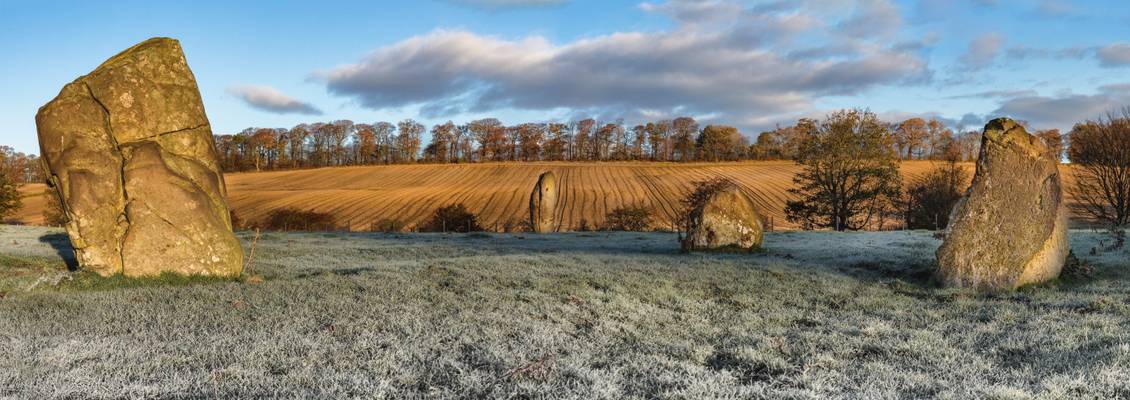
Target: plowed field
498, 193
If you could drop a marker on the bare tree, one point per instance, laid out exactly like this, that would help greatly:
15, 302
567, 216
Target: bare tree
298, 136
583, 131
530, 137
910, 136
408, 139
386, 142
1100, 158
657, 139
603, 140
1054, 140
364, 144
263, 146
443, 135
488, 132
940, 139
342, 130
556, 141
281, 156
683, 137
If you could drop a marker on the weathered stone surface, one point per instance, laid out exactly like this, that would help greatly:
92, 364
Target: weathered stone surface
129, 149
543, 203
1010, 229
727, 219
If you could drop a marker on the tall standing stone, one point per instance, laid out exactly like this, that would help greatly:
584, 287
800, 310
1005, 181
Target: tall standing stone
130, 152
1010, 229
543, 203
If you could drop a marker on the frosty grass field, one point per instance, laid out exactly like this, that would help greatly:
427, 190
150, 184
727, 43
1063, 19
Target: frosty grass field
576, 315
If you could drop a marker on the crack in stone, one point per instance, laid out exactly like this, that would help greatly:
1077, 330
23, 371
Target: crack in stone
121, 173
163, 134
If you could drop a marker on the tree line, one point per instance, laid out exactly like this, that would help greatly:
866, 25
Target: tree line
16, 168
912, 139
19, 167
343, 142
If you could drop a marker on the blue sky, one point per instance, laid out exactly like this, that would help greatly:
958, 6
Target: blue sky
751, 64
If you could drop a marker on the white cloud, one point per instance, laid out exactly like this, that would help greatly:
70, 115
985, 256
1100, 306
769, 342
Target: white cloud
1114, 55
873, 18
1064, 111
1007, 94
270, 99
738, 67
982, 51
1056, 8
695, 11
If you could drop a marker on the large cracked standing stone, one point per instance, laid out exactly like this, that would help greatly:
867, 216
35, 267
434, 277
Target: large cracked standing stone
543, 203
130, 152
727, 219
1010, 229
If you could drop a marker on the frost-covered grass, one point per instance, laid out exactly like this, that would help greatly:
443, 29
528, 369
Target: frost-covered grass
602, 315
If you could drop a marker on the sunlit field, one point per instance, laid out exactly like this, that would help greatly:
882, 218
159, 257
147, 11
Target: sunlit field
574, 315
498, 193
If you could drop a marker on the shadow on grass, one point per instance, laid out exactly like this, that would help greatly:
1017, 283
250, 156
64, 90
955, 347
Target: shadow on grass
337, 272
76, 280
62, 245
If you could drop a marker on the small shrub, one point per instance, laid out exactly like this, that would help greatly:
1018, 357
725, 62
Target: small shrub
515, 225
583, 225
1101, 168
289, 219
1075, 268
628, 218
930, 198
452, 218
387, 225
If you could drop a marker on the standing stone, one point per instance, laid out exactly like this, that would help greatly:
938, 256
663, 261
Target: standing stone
543, 203
727, 219
130, 151
1010, 229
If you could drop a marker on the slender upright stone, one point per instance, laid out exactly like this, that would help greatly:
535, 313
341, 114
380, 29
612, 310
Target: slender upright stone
543, 203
